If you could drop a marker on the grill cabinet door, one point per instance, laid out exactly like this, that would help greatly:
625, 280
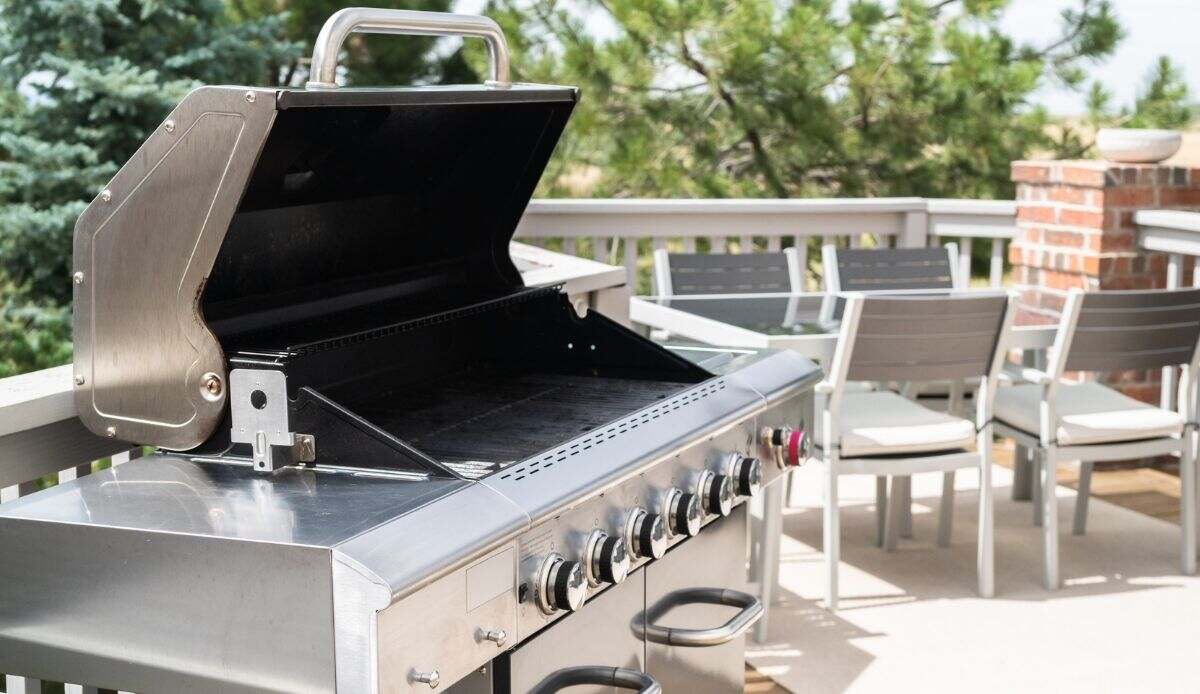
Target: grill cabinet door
716, 558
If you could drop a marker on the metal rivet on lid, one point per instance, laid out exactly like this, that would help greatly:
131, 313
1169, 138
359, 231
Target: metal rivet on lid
79, 380
110, 432
249, 97
77, 278
105, 195
169, 126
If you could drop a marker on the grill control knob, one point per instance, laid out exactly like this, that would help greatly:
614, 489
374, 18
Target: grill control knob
645, 534
790, 446
683, 513
608, 562
716, 491
561, 585
747, 475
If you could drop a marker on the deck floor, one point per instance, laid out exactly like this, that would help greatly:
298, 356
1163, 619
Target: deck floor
1150, 492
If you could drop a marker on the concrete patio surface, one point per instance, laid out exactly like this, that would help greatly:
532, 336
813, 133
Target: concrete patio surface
1125, 620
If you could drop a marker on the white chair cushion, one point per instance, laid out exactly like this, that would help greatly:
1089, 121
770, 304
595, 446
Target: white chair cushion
884, 423
1087, 413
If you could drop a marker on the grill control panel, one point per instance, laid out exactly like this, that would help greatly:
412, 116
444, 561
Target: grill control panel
570, 557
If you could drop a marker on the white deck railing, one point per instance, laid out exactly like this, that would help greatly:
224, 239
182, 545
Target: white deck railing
628, 231
43, 443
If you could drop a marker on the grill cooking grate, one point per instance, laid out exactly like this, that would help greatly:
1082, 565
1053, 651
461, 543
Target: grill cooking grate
489, 417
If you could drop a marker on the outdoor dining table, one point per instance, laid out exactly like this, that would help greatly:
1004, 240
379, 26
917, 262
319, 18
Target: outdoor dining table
804, 323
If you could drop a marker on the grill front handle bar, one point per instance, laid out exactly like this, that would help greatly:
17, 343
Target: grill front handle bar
751, 611
371, 20
619, 677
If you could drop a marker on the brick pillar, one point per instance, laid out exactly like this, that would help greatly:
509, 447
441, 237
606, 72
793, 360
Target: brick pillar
1075, 229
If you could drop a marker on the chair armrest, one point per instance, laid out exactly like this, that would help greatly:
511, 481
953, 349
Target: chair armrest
823, 388
1014, 373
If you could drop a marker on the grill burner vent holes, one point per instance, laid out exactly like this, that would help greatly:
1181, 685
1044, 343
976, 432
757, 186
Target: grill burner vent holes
531, 467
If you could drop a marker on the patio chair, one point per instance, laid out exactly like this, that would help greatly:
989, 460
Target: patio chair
883, 433
677, 274
1089, 422
894, 269
890, 269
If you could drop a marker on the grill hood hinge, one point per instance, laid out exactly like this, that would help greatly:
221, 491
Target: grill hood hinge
259, 407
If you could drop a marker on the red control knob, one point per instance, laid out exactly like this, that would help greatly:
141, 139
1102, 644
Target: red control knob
791, 446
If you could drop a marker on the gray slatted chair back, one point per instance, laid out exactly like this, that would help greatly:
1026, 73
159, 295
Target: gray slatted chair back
926, 338
1145, 329
727, 273
890, 269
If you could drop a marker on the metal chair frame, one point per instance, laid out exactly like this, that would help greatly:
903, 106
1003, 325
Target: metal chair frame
829, 394
1048, 451
901, 495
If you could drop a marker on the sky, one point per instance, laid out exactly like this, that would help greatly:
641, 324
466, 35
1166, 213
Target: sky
1152, 28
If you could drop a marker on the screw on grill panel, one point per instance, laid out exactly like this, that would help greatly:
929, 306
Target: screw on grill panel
106, 195
249, 97
211, 386
169, 126
77, 278
79, 379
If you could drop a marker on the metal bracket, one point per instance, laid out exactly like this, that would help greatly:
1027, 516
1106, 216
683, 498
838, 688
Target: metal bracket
259, 407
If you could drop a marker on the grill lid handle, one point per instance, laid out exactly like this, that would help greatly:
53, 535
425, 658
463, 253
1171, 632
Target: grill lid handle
370, 20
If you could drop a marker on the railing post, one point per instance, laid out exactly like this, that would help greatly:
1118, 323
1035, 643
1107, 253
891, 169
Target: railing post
916, 230
964, 258
22, 685
996, 267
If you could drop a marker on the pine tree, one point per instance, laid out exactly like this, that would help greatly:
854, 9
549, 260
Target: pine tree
96, 77
794, 98
81, 85
370, 59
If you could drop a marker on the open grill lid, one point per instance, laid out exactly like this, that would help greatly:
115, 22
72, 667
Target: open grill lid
252, 212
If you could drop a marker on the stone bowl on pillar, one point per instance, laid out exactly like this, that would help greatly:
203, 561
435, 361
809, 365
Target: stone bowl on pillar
1135, 146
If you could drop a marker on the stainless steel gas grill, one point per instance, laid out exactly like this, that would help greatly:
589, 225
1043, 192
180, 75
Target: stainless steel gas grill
384, 464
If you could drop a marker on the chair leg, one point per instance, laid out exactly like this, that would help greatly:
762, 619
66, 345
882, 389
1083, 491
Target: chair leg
881, 503
1035, 466
1049, 463
946, 510
832, 537
1187, 503
895, 515
906, 524
1081, 499
985, 564
1023, 477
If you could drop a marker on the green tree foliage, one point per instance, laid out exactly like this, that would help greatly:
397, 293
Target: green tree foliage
1163, 101
97, 76
370, 60
81, 84
796, 98
32, 336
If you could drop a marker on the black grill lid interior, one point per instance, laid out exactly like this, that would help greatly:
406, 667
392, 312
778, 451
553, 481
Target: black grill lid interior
369, 203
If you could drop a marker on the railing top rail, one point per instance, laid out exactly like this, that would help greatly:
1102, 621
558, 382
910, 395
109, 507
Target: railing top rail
1169, 231
769, 206
705, 206
36, 399
1168, 219
969, 206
